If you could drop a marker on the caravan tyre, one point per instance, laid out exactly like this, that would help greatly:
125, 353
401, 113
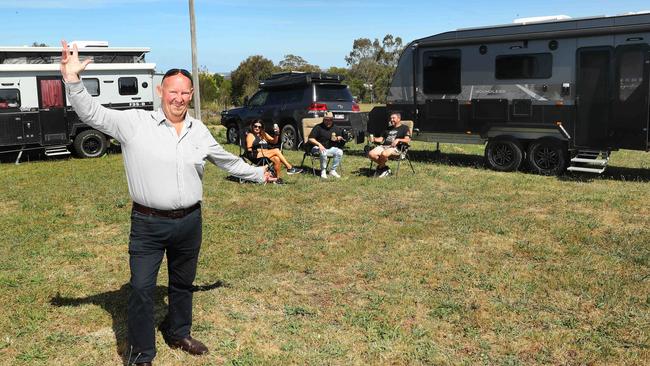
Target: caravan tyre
90, 144
289, 137
232, 134
547, 157
504, 155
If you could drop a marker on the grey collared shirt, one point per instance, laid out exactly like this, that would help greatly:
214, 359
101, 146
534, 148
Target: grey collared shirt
164, 170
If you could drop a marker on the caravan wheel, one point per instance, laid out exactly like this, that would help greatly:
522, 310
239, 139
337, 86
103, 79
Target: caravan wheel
504, 155
547, 157
90, 144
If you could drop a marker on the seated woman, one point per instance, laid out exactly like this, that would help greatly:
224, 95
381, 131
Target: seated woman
257, 145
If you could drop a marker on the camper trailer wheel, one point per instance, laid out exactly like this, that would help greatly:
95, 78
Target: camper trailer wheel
232, 134
90, 144
547, 157
504, 155
289, 137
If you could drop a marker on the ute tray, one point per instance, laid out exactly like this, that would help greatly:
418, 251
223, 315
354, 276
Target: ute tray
294, 78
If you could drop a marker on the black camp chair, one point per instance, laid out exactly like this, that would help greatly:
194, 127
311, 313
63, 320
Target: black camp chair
308, 124
249, 156
402, 149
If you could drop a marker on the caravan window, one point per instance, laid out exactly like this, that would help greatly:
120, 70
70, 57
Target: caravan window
128, 86
630, 72
441, 72
9, 98
92, 85
531, 66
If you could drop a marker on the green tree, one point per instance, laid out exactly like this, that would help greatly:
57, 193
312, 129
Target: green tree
207, 85
372, 64
224, 97
39, 44
245, 79
296, 63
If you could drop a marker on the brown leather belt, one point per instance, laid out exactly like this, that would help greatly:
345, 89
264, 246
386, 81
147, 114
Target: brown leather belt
171, 214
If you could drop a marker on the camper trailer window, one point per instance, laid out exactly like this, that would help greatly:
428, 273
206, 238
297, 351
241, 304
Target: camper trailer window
441, 72
630, 72
530, 66
92, 85
9, 98
128, 85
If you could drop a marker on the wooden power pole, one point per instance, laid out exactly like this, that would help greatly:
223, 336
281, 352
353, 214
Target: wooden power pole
195, 66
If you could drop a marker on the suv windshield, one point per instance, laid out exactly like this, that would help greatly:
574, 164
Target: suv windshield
333, 93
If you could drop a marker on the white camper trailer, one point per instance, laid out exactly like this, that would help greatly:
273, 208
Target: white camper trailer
34, 112
555, 93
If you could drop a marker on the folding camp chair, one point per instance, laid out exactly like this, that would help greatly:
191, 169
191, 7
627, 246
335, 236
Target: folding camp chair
402, 151
308, 124
247, 156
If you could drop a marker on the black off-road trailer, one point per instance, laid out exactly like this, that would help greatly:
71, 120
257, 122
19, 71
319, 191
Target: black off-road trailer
556, 93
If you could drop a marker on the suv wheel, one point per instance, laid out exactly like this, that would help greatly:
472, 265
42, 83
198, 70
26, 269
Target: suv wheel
289, 137
232, 134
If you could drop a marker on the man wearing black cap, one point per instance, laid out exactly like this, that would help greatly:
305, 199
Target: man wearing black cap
326, 139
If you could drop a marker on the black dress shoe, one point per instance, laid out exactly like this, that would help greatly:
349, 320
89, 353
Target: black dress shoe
189, 345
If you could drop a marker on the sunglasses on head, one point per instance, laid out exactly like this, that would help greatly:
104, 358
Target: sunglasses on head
172, 72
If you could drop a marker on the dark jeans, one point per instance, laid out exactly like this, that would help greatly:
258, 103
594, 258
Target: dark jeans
150, 238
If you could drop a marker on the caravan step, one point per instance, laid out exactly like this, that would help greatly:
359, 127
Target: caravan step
589, 161
601, 162
56, 150
585, 169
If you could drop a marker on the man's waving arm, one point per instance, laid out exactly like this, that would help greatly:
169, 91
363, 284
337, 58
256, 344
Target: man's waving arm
90, 111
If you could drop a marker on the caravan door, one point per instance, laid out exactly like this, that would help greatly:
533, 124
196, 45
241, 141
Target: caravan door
593, 90
612, 97
628, 128
51, 108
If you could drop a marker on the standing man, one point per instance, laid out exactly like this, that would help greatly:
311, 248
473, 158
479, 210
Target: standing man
325, 139
164, 156
389, 143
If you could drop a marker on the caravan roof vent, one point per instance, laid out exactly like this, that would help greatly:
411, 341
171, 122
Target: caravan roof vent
87, 44
542, 19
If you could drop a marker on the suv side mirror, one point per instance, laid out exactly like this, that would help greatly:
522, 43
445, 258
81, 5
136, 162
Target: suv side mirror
246, 100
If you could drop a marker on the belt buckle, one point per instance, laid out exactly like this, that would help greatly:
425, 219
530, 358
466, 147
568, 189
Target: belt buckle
177, 214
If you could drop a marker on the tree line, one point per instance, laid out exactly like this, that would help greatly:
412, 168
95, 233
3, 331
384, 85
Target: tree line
370, 66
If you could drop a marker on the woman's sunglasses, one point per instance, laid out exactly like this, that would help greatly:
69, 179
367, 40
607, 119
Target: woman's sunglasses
257, 126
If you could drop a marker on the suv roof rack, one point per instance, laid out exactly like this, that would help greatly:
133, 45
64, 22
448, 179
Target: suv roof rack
291, 78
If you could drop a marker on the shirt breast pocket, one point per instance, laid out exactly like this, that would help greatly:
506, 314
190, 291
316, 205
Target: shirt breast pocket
195, 157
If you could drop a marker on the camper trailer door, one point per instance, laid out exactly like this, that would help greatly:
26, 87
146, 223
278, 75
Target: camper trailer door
612, 97
51, 107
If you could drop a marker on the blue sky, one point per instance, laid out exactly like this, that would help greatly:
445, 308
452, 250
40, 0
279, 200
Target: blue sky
228, 31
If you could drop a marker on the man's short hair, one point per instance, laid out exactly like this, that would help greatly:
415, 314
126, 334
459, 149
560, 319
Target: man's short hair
328, 115
398, 114
172, 72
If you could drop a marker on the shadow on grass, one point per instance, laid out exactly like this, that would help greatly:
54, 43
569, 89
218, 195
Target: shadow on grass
39, 155
617, 173
115, 303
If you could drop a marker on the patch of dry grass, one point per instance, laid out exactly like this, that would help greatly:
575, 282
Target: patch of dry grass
452, 265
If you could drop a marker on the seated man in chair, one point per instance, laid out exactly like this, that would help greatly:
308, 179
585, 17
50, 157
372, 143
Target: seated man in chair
326, 141
389, 142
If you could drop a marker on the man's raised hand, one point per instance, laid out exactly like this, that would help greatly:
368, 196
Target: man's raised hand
71, 67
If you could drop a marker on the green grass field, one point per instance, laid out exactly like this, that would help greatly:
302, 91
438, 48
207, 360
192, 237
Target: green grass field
452, 265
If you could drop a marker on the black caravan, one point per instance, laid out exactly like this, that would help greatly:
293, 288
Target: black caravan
553, 92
